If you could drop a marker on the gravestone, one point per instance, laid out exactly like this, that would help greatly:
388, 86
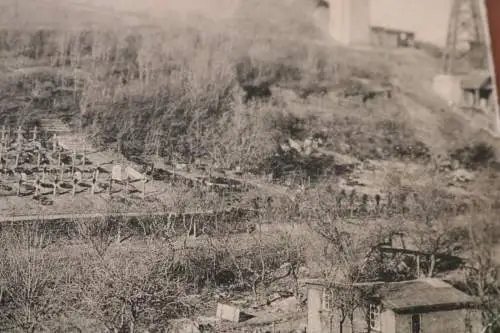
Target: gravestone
228, 312
116, 172
133, 174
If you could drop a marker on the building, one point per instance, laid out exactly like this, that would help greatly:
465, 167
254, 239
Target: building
391, 38
477, 91
416, 306
349, 21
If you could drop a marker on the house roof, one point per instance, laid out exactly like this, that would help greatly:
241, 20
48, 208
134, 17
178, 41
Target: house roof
422, 293
415, 294
391, 30
478, 80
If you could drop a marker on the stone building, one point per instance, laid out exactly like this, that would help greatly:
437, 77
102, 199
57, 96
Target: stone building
416, 306
391, 38
477, 91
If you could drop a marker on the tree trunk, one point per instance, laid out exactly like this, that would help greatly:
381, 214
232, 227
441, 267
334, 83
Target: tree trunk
432, 266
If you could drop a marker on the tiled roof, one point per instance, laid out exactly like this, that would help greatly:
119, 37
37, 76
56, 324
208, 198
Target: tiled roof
476, 80
421, 293
414, 294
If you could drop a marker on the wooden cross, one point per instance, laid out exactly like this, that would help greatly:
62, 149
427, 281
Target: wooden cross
19, 135
84, 155
54, 193
144, 187
19, 183
17, 157
4, 132
61, 170
54, 143
35, 131
37, 185
110, 185
94, 181
73, 161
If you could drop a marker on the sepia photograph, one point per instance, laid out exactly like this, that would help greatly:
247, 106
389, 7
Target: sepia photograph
249, 166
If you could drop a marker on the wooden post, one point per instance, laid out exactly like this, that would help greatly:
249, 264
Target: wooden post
3, 134
35, 131
54, 193
75, 181
84, 155
38, 158
17, 157
110, 185
126, 184
92, 189
37, 185
54, 143
418, 266
144, 187
59, 158
7, 137
73, 161
19, 183
43, 174
19, 136
61, 170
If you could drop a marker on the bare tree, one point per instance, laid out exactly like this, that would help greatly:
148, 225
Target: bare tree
30, 279
483, 267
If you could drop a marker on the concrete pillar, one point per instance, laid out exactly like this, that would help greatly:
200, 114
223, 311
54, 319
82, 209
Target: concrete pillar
314, 306
350, 21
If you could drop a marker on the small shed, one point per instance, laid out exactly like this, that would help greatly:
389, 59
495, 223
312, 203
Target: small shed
386, 37
416, 306
477, 90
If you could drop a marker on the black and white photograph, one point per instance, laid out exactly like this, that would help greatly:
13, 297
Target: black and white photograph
249, 166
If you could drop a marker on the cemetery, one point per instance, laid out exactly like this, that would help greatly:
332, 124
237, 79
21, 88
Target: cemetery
42, 176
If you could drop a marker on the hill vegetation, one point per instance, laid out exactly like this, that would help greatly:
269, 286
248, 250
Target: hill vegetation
232, 92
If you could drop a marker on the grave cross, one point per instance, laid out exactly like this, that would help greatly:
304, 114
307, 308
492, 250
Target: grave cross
35, 132
38, 158
37, 185
54, 143
110, 185
94, 180
19, 136
19, 183
4, 132
84, 155
56, 180
73, 161
144, 180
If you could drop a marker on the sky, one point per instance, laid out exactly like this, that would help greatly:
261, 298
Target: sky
427, 18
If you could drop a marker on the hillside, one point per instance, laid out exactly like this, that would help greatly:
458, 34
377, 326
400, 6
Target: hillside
335, 151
